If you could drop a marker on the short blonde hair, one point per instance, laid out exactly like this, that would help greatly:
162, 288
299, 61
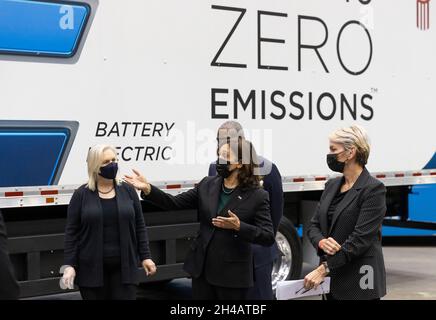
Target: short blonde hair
353, 136
94, 160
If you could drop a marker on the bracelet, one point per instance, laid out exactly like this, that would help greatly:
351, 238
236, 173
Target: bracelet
326, 267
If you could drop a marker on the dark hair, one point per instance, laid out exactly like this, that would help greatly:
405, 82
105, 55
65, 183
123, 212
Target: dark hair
247, 156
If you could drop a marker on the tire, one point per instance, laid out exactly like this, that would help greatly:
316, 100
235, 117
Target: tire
290, 261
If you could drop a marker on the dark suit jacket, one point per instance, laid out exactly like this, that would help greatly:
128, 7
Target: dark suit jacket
84, 235
225, 256
356, 226
272, 183
9, 288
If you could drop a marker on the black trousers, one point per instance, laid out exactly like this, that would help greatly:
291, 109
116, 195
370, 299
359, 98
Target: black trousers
203, 290
262, 289
329, 297
9, 289
113, 288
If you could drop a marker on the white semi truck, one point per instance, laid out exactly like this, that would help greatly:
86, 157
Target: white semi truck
157, 78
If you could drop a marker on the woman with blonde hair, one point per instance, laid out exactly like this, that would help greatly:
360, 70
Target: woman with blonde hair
105, 235
346, 228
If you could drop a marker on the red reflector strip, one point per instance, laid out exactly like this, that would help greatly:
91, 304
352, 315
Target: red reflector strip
14, 194
380, 176
298, 180
399, 175
320, 178
173, 186
417, 174
49, 192
433, 173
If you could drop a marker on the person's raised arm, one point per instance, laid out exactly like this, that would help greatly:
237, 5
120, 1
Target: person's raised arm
185, 200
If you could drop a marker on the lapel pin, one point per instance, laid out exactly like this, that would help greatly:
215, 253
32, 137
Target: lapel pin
239, 197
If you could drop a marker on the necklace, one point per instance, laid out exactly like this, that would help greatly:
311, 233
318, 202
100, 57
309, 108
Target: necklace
106, 191
224, 190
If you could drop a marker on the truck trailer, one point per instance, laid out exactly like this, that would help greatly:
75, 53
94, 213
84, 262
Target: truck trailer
157, 78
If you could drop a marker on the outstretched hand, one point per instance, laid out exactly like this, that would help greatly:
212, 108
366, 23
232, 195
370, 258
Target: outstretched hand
138, 181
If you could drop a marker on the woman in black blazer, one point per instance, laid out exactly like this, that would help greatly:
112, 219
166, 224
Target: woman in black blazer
233, 211
346, 228
105, 235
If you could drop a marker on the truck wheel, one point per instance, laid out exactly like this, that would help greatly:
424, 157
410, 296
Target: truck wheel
289, 263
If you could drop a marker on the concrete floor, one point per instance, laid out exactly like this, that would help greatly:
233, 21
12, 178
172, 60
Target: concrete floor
411, 275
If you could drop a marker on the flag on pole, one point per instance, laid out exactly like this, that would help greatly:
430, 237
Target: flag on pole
423, 14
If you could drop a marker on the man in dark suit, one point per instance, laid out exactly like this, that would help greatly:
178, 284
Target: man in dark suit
272, 183
9, 289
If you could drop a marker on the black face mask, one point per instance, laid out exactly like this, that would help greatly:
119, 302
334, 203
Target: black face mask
334, 164
109, 171
222, 168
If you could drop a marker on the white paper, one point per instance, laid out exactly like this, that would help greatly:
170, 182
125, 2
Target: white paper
294, 289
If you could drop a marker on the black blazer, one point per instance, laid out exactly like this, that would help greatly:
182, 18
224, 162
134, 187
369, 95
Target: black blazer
356, 226
225, 256
272, 183
84, 235
9, 288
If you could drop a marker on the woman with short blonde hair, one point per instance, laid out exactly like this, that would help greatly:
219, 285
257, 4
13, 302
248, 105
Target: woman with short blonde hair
105, 235
346, 227
353, 137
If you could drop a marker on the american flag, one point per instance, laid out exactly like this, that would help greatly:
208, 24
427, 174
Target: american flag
423, 14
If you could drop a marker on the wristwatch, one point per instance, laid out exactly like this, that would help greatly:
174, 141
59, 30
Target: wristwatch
326, 266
